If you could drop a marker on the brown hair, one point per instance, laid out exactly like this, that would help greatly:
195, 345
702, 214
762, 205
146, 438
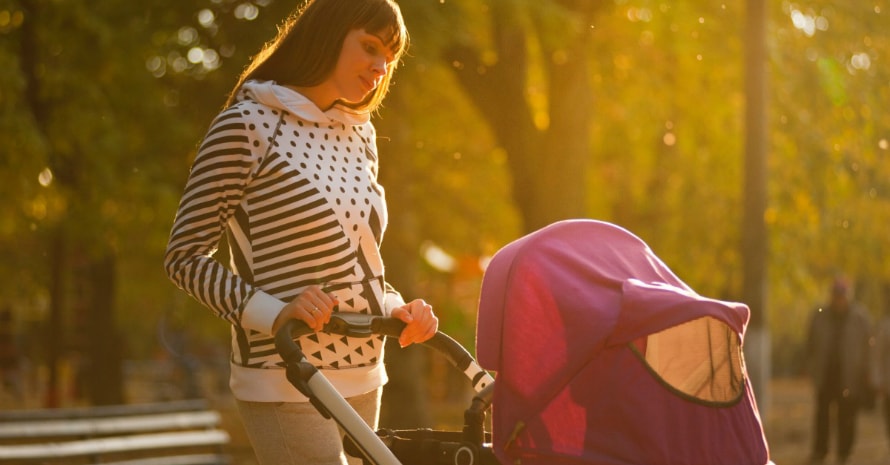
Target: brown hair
307, 46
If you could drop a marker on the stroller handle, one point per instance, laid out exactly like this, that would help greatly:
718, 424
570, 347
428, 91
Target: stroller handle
362, 325
360, 440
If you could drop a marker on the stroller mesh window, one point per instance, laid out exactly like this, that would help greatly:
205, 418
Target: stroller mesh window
701, 358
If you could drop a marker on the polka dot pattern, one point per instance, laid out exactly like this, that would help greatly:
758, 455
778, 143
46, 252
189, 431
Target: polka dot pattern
306, 169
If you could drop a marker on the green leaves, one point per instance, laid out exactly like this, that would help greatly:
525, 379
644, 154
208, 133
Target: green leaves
125, 90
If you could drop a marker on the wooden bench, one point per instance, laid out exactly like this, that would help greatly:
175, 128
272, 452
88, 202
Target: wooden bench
168, 433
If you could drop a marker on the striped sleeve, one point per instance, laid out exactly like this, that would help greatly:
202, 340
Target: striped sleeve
213, 192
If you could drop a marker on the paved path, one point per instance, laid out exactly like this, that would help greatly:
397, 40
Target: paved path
789, 424
787, 420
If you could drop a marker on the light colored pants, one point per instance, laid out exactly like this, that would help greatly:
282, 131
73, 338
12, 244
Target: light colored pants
284, 433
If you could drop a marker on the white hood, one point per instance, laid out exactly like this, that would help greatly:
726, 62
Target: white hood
277, 96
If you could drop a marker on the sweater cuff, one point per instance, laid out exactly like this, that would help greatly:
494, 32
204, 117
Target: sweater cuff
260, 312
392, 300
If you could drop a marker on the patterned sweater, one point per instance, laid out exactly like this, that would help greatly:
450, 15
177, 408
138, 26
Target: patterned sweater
294, 189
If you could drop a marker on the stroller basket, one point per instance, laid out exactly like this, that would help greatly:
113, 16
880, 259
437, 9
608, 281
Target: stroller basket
392, 447
432, 447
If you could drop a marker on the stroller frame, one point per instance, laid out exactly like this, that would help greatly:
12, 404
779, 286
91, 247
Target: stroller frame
391, 447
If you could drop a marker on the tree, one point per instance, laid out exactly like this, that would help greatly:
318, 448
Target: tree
67, 162
754, 243
543, 139
93, 112
830, 138
639, 103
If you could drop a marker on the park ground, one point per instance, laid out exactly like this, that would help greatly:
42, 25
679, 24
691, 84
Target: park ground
787, 420
787, 424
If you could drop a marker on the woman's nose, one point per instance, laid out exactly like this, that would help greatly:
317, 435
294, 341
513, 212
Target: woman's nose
378, 66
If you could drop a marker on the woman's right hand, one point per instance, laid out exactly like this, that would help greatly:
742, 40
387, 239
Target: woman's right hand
313, 306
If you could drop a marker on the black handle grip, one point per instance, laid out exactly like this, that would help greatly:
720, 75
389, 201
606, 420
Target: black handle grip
362, 325
284, 340
389, 327
341, 323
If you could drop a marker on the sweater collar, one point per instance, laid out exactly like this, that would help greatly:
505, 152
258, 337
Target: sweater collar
278, 96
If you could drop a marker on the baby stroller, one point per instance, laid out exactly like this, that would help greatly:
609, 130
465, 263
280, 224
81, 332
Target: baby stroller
603, 356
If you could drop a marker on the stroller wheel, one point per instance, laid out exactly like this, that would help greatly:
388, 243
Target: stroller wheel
464, 456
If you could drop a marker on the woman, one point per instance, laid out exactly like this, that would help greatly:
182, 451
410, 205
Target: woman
287, 171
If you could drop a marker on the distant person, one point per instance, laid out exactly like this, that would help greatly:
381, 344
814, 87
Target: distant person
838, 350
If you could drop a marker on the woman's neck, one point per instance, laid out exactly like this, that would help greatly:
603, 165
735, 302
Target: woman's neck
318, 95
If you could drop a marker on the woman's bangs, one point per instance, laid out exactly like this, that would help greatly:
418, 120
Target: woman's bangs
387, 24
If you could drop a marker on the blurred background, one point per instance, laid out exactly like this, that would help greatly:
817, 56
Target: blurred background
747, 142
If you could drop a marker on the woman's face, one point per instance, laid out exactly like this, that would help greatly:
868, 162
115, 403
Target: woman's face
362, 64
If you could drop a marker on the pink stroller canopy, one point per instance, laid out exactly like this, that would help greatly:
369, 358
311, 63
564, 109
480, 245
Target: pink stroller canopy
603, 356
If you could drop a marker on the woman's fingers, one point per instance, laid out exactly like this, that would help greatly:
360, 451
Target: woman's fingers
312, 306
316, 307
421, 322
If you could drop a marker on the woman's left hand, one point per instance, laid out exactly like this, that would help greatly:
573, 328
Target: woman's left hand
421, 323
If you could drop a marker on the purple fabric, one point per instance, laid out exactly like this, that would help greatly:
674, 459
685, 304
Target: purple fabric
557, 313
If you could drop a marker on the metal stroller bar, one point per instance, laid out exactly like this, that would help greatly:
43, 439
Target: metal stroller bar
306, 378
325, 398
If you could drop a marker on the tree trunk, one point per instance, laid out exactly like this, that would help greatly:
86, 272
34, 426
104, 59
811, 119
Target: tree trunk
29, 52
104, 376
104, 346
565, 157
548, 166
754, 237
53, 332
404, 403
